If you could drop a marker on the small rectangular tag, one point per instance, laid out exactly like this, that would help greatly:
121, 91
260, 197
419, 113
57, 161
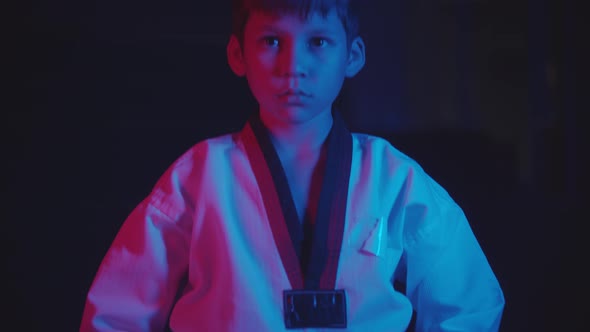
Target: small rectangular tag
314, 308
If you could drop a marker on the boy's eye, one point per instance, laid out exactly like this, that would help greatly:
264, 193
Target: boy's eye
271, 41
318, 42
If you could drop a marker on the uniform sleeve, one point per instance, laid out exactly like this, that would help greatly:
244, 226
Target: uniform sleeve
449, 280
138, 279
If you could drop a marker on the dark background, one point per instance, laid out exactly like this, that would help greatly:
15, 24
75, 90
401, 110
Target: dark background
484, 94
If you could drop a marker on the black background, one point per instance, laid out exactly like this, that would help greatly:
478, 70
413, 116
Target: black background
120, 90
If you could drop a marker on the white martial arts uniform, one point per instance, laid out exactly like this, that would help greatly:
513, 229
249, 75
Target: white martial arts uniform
205, 222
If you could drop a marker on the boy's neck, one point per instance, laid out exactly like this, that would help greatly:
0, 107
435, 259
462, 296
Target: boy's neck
300, 142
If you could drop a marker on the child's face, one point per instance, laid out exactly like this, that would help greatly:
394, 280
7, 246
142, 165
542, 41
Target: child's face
295, 68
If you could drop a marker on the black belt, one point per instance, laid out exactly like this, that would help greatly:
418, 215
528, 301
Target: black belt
314, 308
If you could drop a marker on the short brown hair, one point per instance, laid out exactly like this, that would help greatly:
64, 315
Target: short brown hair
348, 11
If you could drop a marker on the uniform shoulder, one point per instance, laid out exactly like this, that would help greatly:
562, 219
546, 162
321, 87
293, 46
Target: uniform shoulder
397, 164
384, 149
203, 149
178, 185
429, 214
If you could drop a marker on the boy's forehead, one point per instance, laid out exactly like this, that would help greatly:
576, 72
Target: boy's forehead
266, 20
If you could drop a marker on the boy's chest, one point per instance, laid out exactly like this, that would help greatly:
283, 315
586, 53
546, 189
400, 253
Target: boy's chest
304, 175
299, 186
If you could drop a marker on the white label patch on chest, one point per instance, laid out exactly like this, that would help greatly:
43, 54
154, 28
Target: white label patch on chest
376, 242
369, 235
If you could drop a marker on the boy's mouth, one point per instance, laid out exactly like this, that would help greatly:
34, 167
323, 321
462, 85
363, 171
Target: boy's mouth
293, 97
293, 93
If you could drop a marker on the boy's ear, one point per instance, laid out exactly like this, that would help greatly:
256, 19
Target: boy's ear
356, 57
235, 57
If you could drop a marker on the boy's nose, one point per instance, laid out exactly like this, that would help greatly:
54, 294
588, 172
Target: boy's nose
292, 60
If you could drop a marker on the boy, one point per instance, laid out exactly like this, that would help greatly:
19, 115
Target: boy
294, 222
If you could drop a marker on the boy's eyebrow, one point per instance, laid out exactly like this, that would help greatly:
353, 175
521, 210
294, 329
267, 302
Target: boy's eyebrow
268, 27
272, 28
322, 31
